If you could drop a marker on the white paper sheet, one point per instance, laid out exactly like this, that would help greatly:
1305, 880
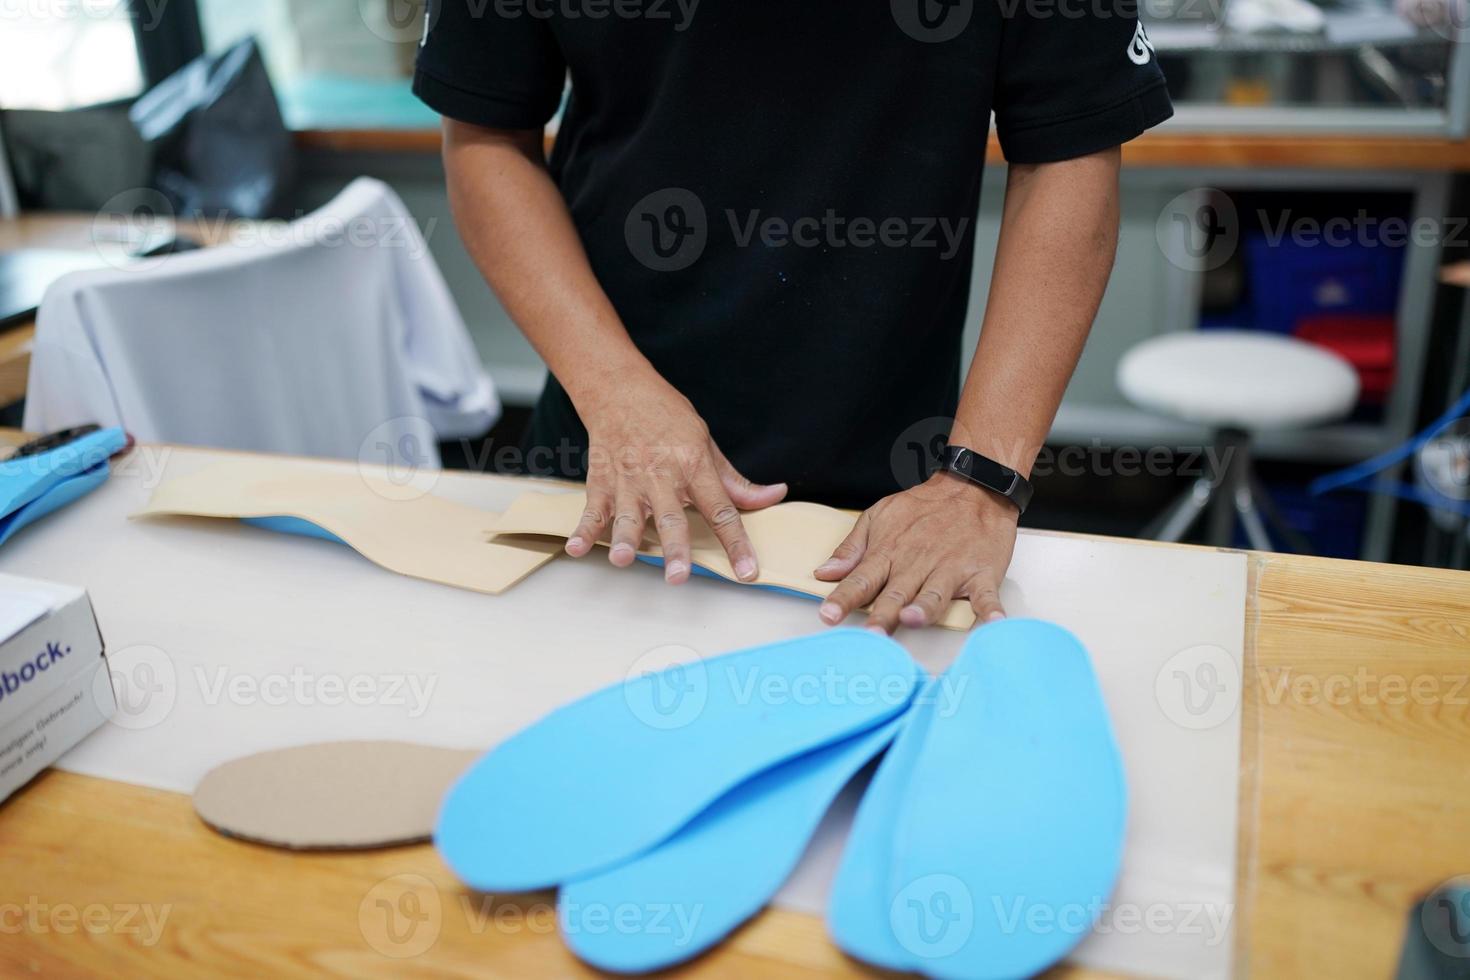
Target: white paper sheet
227, 640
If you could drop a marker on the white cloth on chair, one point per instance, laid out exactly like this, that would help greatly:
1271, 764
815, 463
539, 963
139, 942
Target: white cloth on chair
332, 336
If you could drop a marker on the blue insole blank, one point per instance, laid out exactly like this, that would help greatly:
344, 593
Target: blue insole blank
694, 889
1002, 819
608, 777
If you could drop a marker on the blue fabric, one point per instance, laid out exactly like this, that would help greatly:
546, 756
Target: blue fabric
696, 888
606, 778
1003, 830
33, 486
292, 525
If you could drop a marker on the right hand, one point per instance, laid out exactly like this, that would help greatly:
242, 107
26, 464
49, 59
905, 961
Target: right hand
650, 456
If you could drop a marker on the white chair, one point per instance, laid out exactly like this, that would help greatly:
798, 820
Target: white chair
331, 336
1237, 382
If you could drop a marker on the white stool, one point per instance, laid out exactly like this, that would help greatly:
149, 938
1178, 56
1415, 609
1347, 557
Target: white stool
1237, 382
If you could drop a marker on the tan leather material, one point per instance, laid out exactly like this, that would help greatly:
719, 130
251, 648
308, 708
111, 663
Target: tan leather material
790, 539
418, 535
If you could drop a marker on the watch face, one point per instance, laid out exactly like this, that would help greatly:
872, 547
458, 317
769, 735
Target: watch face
983, 470
989, 474
989, 471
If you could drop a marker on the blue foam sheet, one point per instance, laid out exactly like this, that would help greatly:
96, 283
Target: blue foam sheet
684, 896
1008, 838
613, 774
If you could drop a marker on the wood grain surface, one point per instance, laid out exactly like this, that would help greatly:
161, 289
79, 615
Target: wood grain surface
1156, 148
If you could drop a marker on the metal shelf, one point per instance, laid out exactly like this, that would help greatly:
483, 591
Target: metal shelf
1344, 32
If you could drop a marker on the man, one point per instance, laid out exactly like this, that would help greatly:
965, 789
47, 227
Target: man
748, 261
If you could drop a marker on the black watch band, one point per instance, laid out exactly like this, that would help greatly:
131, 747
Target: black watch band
987, 473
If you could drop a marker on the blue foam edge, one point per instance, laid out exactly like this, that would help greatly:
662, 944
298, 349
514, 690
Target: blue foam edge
703, 572
292, 525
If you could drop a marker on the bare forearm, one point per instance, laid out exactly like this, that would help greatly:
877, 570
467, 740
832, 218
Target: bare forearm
1058, 238
649, 452
516, 226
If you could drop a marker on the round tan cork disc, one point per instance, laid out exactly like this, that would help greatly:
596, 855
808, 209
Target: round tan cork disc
333, 795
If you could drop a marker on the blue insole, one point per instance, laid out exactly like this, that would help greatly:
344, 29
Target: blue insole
29, 478
697, 887
703, 572
293, 525
306, 529
609, 776
57, 496
1006, 838
33, 486
856, 919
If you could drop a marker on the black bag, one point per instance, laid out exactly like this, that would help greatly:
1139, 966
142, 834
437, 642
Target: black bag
220, 144
77, 160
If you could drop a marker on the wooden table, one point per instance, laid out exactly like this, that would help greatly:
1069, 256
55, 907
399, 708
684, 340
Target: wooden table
1355, 799
78, 232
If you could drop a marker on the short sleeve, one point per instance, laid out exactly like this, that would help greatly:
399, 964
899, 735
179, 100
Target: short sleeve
493, 63
1075, 77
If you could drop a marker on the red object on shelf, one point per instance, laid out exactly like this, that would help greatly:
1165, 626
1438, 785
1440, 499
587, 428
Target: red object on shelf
1365, 341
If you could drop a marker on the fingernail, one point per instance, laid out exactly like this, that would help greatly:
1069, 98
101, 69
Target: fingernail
876, 629
912, 616
576, 544
745, 569
830, 612
995, 617
830, 565
622, 551
675, 570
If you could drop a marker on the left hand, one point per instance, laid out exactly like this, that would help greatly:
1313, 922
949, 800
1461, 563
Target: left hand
913, 553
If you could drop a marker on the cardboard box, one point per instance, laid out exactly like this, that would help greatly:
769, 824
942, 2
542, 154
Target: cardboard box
55, 688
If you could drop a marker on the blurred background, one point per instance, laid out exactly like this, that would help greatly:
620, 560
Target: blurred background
1311, 186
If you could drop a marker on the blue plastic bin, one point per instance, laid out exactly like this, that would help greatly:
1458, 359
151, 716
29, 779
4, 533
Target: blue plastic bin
1333, 525
1292, 279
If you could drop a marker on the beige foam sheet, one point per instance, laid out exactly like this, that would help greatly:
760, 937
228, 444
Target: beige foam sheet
418, 535
332, 795
790, 539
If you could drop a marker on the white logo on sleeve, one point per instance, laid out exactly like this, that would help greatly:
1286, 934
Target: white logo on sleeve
1140, 47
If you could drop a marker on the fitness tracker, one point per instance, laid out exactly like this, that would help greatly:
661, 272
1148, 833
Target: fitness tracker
984, 472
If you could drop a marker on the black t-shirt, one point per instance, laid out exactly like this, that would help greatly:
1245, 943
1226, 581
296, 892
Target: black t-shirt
779, 196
